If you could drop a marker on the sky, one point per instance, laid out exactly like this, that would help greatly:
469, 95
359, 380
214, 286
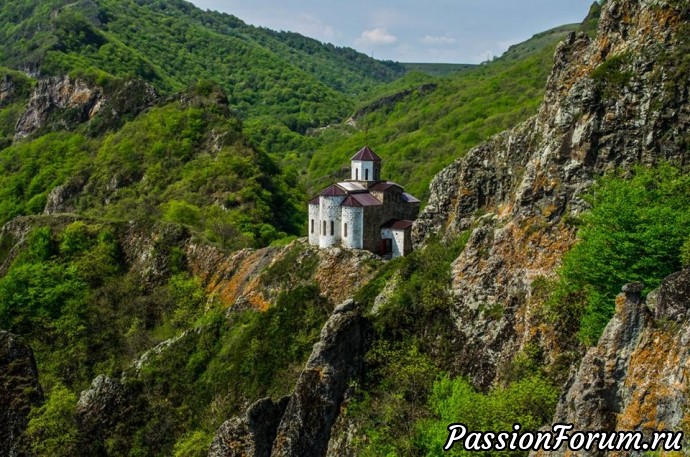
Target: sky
451, 31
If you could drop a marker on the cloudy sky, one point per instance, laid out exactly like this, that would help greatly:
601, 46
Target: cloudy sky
456, 31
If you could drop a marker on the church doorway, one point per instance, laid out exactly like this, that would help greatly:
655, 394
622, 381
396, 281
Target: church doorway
386, 246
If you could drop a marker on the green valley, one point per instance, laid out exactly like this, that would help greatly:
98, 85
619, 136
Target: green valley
158, 296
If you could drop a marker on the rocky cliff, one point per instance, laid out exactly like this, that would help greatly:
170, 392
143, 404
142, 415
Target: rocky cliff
246, 279
301, 424
613, 101
63, 103
635, 378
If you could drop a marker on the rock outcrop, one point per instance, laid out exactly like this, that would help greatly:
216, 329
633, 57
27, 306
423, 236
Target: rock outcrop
245, 279
635, 378
61, 199
104, 405
7, 90
301, 424
13, 87
19, 391
62, 103
251, 435
314, 406
614, 101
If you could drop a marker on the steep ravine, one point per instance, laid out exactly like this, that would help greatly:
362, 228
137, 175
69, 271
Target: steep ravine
244, 281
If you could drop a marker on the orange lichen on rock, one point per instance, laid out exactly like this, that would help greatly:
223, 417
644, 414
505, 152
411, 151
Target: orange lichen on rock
244, 278
340, 272
229, 279
656, 377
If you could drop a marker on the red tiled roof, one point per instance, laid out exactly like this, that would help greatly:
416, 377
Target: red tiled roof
366, 154
395, 224
315, 200
359, 200
333, 191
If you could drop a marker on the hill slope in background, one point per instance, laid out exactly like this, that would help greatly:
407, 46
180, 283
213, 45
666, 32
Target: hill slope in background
420, 124
125, 153
282, 84
172, 44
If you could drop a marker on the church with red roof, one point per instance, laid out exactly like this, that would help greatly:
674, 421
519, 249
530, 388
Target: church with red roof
364, 212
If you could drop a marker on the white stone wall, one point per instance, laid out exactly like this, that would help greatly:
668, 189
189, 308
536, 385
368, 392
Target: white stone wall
353, 217
398, 243
330, 211
359, 169
398, 237
314, 215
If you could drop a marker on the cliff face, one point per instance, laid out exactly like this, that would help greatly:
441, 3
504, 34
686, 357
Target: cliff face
635, 378
59, 95
614, 101
245, 279
301, 423
62, 103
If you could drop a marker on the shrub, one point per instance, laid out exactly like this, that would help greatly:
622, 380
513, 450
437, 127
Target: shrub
52, 428
182, 213
635, 231
530, 403
194, 444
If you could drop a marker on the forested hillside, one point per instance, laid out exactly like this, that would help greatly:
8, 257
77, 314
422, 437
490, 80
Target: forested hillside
155, 297
421, 124
283, 84
298, 81
184, 160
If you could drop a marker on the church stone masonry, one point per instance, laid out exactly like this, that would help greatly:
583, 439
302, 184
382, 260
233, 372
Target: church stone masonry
364, 212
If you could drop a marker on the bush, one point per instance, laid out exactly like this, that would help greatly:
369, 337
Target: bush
182, 213
193, 444
530, 403
189, 298
52, 428
635, 231
419, 304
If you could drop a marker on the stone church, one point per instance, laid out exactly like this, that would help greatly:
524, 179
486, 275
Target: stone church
364, 212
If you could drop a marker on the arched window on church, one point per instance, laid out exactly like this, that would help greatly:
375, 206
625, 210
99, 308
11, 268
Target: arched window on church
312, 226
366, 174
324, 227
345, 230
356, 174
332, 228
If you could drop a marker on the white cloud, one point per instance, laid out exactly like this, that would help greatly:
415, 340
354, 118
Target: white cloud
378, 36
438, 40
